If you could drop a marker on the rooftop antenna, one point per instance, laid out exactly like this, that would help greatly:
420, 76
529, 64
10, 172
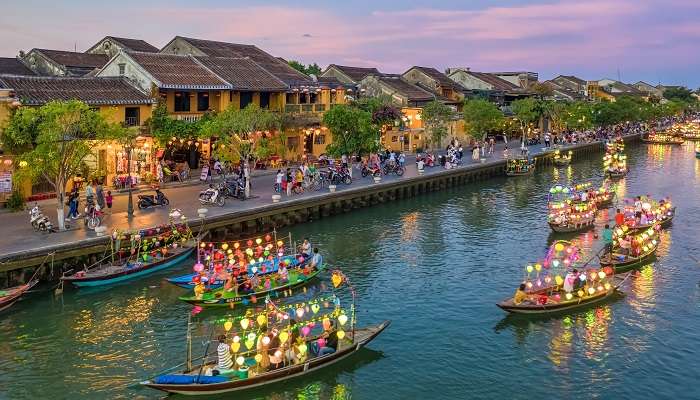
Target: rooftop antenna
75, 47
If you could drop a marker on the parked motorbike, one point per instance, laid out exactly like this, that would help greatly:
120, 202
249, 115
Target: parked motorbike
340, 175
234, 188
394, 167
93, 214
428, 159
373, 170
39, 221
149, 200
213, 195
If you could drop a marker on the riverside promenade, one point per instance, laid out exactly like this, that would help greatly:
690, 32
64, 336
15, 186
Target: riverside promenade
21, 246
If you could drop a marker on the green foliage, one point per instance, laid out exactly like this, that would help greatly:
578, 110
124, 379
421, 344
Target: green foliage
16, 201
681, 94
352, 130
311, 69
245, 134
578, 115
482, 116
164, 127
54, 141
527, 111
436, 116
555, 111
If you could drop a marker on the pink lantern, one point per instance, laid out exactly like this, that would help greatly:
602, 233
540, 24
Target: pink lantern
305, 330
199, 267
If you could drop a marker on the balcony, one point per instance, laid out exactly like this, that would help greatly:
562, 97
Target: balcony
305, 108
187, 117
131, 121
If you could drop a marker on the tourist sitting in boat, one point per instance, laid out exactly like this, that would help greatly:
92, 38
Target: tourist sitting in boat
520, 295
327, 343
625, 245
306, 248
283, 273
619, 218
275, 352
316, 260
225, 361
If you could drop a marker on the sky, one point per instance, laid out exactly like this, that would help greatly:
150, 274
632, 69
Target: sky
652, 40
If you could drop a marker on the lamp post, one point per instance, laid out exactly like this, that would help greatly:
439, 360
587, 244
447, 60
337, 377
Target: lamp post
130, 207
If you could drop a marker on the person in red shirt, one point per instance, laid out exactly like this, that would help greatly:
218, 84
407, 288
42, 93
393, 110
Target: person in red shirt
619, 218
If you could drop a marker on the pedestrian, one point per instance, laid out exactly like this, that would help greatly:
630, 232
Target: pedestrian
108, 200
523, 148
100, 193
278, 181
492, 144
73, 204
475, 152
290, 181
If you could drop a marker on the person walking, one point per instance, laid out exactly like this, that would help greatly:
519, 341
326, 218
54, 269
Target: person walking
100, 194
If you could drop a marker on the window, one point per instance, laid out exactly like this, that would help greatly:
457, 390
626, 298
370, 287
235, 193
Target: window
293, 143
313, 98
246, 98
319, 139
182, 102
291, 98
265, 100
202, 101
394, 138
122, 69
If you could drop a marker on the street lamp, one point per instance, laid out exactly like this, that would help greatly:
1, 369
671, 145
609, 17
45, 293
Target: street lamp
130, 207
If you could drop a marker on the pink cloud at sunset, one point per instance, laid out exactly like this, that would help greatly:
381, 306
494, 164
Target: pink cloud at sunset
645, 39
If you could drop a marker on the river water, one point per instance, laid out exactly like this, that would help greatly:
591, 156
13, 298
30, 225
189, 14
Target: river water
435, 265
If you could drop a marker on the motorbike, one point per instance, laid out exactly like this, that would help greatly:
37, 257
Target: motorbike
373, 170
234, 188
93, 214
394, 167
39, 221
213, 195
428, 160
149, 200
339, 175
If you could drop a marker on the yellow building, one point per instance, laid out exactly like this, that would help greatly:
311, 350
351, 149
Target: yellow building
115, 98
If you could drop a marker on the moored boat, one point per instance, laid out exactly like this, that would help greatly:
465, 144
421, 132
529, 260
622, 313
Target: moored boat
561, 160
520, 166
555, 285
10, 296
570, 209
662, 138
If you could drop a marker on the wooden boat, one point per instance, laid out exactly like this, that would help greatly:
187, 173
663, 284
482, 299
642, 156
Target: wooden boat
198, 384
616, 174
9, 296
622, 263
187, 281
663, 139
561, 160
519, 166
554, 307
569, 228
223, 297
111, 273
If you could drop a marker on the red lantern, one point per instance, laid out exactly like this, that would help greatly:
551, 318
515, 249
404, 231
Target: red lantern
253, 299
196, 279
249, 243
268, 237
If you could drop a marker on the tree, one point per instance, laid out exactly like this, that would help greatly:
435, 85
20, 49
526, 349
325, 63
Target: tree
311, 69
526, 112
555, 113
482, 116
52, 142
245, 135
436, 116
163, 127
542, 90
679, 94
579, 115
352, 130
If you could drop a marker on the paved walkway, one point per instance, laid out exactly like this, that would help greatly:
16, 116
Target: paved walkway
18, 235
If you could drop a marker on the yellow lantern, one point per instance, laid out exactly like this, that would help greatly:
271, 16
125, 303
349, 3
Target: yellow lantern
591, 290
249, 344
601, 275
342, 319
341, 334
302, 348
224, 246
580, 293
228, 325
559, 280
607, 286
245, 323
528, 268
262, 319
284, 336
266, 340
538, 267
235, 346
315, 308
240, 360
569, 296
337, 280
258, 241
258, 358
558, 247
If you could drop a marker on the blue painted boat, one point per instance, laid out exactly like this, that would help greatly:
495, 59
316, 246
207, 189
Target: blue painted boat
110, 274
186, 282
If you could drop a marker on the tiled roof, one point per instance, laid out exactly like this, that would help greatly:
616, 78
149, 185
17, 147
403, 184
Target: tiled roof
574, 79
13, 66
272, 64
409, 90
37, 90
441, 78
243, 73
135, 44
178, 72
73, 59
496, 82
355, 73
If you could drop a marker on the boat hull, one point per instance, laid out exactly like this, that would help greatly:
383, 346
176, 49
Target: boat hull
571, 228
673, 142
278, 375
15, 294
127, 274
628, 264
561, 162
533, 309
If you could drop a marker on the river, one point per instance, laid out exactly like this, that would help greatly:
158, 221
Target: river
435, 265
